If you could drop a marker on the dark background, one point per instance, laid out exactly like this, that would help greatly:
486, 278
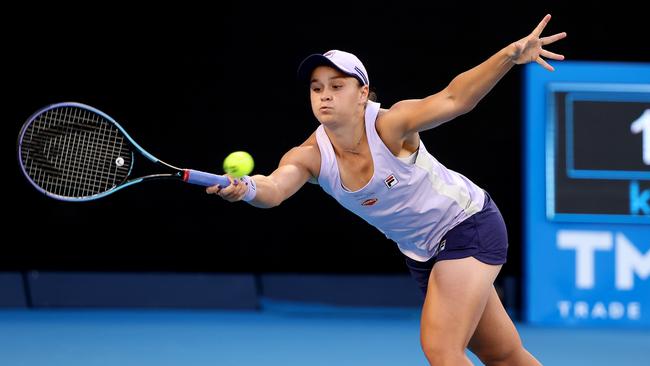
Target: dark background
193, 83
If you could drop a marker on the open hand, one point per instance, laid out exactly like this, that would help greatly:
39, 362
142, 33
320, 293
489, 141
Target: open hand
529, 49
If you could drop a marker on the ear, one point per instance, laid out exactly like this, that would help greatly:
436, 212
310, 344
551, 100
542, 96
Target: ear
365, 92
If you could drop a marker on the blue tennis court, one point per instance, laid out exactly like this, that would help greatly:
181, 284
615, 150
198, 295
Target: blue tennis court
279, 334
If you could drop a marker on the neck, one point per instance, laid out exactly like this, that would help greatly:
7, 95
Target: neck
355, 143
348, 138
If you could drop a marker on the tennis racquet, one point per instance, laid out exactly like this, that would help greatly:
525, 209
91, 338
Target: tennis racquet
74, 152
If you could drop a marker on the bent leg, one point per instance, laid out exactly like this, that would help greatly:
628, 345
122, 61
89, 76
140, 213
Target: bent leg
457, 294
496, 341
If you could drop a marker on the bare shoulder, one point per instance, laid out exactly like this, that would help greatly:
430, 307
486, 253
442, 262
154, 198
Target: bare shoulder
306, 155
391, 124
397, 113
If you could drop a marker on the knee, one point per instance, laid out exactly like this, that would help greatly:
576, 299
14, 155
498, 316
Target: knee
439, 352
501, 355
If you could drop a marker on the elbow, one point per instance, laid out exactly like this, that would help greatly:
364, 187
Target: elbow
464, 106
459, 104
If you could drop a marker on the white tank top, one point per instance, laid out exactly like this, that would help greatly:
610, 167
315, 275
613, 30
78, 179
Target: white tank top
413, 204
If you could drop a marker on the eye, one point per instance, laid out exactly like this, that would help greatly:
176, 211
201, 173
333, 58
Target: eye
315, 89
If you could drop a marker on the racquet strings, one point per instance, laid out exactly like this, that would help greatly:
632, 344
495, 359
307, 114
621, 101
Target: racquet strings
75, 152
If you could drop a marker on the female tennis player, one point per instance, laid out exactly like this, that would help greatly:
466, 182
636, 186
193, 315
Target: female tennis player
372, 161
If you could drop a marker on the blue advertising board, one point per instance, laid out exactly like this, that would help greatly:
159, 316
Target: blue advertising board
587, 194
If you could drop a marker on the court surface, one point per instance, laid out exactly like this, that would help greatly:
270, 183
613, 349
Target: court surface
279, 334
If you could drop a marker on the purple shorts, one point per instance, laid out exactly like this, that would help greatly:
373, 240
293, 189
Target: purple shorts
482, 236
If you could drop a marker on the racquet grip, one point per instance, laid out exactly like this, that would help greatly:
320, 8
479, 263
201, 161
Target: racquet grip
204, 179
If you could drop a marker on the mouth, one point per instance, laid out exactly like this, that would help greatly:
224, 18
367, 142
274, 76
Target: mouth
325, 109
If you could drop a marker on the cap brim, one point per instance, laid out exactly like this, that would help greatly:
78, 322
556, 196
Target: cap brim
310, 63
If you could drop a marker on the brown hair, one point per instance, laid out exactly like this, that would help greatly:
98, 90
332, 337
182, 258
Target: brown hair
372, 96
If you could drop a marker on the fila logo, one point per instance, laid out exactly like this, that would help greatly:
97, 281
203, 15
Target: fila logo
441, 247
390, 181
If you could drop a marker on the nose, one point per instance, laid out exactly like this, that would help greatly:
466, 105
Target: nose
325, 96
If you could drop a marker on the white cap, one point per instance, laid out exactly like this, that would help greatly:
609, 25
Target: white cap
344, 61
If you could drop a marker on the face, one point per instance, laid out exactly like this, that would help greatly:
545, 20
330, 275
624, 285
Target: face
336, 97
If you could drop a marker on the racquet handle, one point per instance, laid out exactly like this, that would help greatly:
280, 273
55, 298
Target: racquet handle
204, 179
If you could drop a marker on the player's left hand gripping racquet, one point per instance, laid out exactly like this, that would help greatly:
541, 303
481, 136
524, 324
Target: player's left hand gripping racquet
74, 152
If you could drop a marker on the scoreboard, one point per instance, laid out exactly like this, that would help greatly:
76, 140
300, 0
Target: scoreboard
587, 194
596, 161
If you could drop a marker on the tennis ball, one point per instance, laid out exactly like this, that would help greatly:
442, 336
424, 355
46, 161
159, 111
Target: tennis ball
238, 164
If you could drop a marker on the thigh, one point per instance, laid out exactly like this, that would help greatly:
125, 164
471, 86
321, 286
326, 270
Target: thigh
495, 337
457, 293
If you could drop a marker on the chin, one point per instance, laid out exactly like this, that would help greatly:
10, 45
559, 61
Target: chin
327, 120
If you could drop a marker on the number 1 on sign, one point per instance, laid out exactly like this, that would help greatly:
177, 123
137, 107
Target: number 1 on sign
642, 124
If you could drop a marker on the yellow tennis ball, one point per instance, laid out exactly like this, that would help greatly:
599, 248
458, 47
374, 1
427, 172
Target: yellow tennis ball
238, 164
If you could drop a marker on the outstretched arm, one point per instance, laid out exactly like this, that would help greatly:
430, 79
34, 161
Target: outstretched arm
292, 173
468, 88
